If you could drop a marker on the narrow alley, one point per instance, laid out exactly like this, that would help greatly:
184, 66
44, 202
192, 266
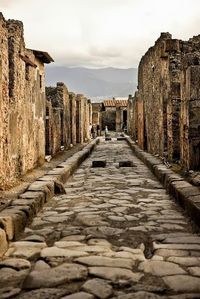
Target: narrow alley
116, 233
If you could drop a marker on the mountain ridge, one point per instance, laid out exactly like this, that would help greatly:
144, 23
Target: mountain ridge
98, 82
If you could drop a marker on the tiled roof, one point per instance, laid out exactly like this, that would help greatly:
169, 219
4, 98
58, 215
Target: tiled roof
109, 103
115, 103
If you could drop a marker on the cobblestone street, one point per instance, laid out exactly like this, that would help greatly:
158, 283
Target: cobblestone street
116, 233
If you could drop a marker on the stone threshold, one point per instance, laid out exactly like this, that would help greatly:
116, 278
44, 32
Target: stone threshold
15, 217
186, 194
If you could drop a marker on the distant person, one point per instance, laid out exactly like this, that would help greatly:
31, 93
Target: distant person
106, 131
98, 130
90, 130
93, 131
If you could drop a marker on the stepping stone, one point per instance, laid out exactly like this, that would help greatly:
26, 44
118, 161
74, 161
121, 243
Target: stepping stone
126, 164
99, 163
121, 138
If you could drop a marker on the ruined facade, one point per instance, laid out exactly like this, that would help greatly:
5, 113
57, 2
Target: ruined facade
97, 114
67, 119
22, 103
34, 121
114, 114
165, 117
83, 118
58, 125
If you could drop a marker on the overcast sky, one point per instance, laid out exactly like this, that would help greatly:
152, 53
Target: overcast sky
100, 33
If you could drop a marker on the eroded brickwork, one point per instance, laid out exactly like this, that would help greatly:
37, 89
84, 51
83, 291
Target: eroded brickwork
166, 107
22, 122
72, 99
59, 119
83, 118
97, 114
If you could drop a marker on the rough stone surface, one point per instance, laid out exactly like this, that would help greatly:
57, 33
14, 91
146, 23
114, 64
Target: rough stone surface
160, 268
98, 287
151, 253
55, 276
79, 295
183, 283
115, 274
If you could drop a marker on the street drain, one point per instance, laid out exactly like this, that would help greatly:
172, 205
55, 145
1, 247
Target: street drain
99, 163
108, 138
126, 163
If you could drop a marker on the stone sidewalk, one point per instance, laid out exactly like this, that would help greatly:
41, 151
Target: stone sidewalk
116, 233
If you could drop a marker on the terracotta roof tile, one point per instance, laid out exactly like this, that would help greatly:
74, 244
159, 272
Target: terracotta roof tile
115, 103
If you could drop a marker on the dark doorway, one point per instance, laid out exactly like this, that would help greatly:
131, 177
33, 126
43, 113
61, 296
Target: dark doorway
196, 157
62, 128
47, 133
124, 117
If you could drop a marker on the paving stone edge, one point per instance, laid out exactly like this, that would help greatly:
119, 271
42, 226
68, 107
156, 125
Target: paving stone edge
15, 217
187, 195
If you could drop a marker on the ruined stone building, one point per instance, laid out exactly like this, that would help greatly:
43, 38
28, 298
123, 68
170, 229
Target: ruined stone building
67, 118
58, 126
83, 118
33, 122
97, 114
22, 103
164, 114
111, 113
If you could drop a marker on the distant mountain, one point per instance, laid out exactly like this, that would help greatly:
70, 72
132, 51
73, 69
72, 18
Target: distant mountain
94, 83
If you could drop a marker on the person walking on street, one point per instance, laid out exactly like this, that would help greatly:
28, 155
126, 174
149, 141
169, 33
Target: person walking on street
93, 132
106, 131
98, 130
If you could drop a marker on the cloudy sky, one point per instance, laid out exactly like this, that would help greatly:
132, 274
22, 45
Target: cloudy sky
100, 33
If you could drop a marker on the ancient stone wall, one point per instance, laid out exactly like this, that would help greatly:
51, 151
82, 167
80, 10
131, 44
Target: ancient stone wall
167, 103
109, 119
22, 125
83, 117
6, 165
31, 124
60, 118
72, 99
97, 114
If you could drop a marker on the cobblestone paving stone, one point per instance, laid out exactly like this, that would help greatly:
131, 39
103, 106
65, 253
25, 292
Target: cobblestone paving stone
116, 233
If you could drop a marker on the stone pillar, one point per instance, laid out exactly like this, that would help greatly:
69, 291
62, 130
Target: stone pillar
80, 118
173, 122
190, 115
72, 99
140, 123
6, 171
118, 119
63, 99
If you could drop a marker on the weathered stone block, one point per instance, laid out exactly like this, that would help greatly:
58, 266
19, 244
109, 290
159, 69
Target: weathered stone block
3, 242
6, 223
126, 164
38, 197
120, 138
99, 163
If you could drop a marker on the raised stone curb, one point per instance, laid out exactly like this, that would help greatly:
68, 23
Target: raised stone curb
21, 211
187, 195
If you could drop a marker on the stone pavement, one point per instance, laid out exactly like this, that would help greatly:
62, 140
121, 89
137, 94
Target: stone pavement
114, 234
